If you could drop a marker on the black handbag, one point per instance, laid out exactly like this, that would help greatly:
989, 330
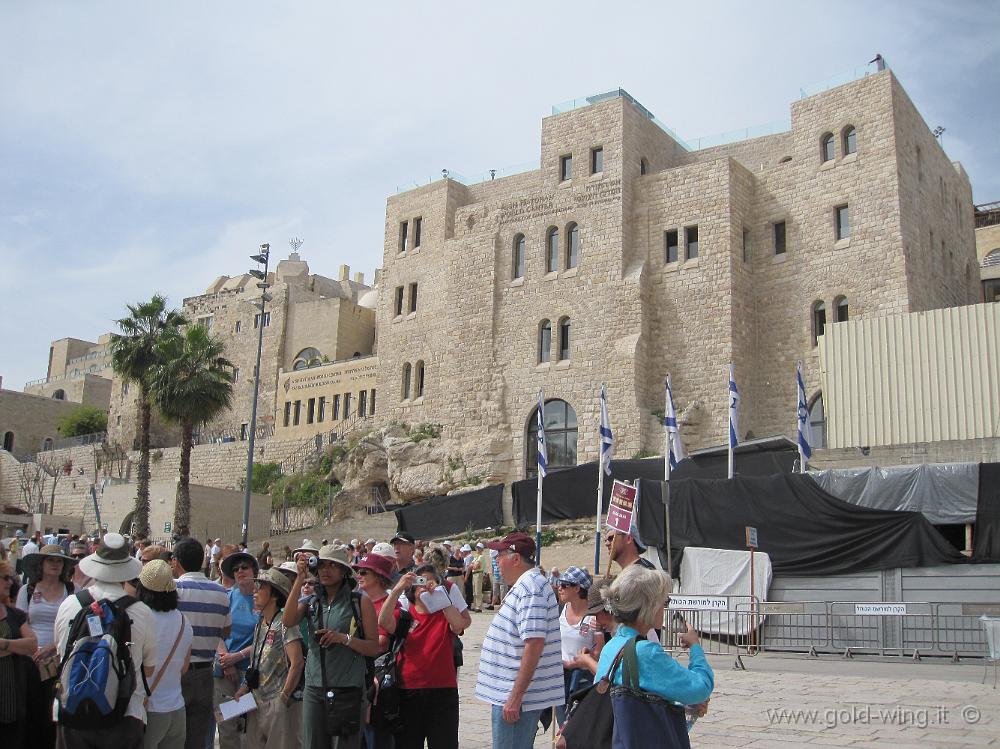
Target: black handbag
639, 714
341, 705
590, 718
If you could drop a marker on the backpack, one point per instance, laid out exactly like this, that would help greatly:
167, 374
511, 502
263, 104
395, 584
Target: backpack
385, 708
97, 675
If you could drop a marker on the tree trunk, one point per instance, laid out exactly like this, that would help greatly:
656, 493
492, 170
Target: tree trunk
141, 518
182, 507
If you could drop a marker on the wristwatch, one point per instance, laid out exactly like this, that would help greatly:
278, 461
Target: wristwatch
347, 642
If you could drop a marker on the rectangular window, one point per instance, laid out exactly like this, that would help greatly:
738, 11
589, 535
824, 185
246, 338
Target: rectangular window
843, 221
288, 412
311, 412
565, 167
236, 328
243, 431
779, 238
296, 413
206, 321
670, 242
236, 374
363, 403
746, 246
690, 242
256, 320
321, 410
399, 301
597, 160
371, 403
417, 225
564, 332
347, 405
336, 408
404, 229
413, 297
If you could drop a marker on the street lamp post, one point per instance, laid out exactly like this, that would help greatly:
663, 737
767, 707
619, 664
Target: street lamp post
262, 258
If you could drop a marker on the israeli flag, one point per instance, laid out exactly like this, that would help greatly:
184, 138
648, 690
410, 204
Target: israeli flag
805, 428
543, 462
734, 410
607, 438
676, 451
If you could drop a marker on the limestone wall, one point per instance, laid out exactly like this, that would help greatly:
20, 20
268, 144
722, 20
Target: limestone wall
953, 451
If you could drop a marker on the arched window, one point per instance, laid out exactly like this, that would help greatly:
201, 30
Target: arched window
849, 139
826, 147
8, 441
519, 257
992, 258
572, 246
59, 395
406, 381
307, 357
560, 437
818, 320
552, 250
419, 390
564, 339
47, 444
842, 311
544, 341
817, 421
643, 166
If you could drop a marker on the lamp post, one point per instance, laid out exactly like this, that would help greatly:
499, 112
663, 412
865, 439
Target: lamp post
261, 275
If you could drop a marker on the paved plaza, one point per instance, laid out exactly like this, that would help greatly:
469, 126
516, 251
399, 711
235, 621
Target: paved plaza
800, 701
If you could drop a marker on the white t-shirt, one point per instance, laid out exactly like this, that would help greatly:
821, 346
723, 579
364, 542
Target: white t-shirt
41, 613
167, 695
29, 548
577, 636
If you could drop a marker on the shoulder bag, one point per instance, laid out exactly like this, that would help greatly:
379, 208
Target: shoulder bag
590, 718
341, 705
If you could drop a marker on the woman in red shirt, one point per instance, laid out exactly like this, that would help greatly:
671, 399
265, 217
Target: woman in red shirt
427, 675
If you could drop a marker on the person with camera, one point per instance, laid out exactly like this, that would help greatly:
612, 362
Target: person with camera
343, 633
233, 653
275, 672
427, 673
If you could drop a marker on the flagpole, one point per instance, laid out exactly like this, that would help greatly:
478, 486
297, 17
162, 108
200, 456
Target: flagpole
666, 430
666, 477
541, 477
798, 421
729, 419
600, 476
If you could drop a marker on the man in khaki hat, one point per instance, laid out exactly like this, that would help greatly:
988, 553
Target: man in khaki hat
111, 566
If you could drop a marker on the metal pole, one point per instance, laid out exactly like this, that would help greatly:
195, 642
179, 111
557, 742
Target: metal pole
666, 478
253, 409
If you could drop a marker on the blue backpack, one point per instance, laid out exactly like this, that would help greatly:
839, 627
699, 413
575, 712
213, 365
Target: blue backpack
97, 675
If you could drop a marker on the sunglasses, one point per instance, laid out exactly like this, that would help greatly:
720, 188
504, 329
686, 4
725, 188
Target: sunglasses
78, 556
609, 539
363, 571
567, 585
241, 567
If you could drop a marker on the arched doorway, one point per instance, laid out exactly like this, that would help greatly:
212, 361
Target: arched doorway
560, 437
8, 441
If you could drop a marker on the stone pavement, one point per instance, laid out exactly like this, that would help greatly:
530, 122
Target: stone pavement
790, 701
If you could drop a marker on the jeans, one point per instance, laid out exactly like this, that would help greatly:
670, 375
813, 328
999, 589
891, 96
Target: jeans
430, 714
517, 735
197, 688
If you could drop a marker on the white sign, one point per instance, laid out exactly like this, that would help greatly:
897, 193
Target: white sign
698, 603
751, 533
880, 609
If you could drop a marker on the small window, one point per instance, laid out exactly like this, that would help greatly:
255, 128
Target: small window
347, 405
244, 431
47, 444
850, 139
746, 246
296, 412
404, 231
398, 304
257, 318
236, 374
818, 321
288, 413
670, 242
817, 421
125, 385
920, 165
779, 238
564, 339
843, 222
311, 411
419, 391
596, 160
336, 408
691, 242
519, 256
407, 373
552, 250
413, 297
237, 326
643, 167
572, 245
371, 403
826, 147
417, 226
8, 441
544, 341
565, 167
59, 395
842, 310
206, 322
118, 421
363, 397
321, 409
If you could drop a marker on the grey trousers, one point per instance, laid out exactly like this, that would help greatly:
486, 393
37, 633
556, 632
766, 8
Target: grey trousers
196, 686
165, 730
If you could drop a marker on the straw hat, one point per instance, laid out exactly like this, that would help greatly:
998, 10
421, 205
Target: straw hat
111, 563
32, 564
275, 579
157, 577
339, 554
232, 560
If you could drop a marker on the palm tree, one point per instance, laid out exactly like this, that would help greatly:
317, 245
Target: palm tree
191, 384
133, 356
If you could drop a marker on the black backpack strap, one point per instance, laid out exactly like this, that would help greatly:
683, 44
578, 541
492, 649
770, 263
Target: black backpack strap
123, 605
356, 610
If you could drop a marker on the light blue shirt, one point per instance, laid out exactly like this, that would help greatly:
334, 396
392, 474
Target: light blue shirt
244, 622
658, 672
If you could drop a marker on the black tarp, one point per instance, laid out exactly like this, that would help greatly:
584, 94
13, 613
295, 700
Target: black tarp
572, 493
447, 515
803, 529
986, 543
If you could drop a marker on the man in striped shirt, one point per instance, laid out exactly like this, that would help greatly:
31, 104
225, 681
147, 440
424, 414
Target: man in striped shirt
520, 667
205, 604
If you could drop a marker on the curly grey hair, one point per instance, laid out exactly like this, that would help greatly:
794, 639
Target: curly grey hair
637, 595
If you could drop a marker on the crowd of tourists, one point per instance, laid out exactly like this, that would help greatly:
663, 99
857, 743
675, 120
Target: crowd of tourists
115, 643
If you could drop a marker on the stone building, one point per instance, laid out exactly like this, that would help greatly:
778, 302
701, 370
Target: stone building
78, 371
311, 320
988, 249
629, 255
28, 422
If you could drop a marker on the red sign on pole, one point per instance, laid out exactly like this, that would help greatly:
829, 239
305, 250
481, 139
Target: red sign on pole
622, 506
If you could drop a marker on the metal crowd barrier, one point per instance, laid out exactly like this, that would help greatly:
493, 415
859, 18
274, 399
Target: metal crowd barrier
743, 626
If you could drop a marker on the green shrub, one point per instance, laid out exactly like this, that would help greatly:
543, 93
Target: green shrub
423, 432
83, 420
264, 476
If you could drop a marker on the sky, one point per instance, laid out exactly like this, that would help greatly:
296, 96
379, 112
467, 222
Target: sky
151, 146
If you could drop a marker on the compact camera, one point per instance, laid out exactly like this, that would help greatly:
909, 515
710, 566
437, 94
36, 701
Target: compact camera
312, 562
421, 580
252, 678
